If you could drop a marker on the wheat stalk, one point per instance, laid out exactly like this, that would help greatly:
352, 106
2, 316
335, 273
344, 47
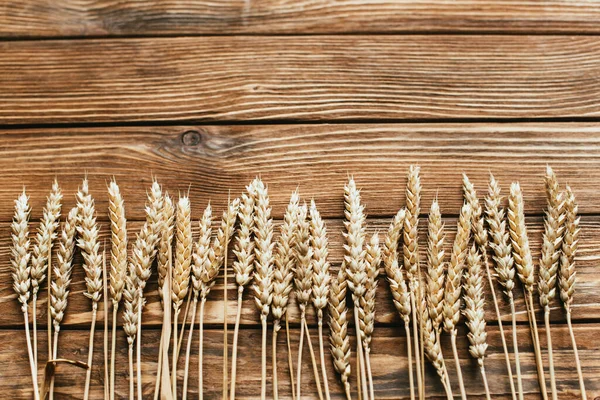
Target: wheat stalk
200, 265
566, 279
474, 312
303, 280
453, 286
367, 309
395, 277
60, 285
321, 279
504, 263
480, 234
143, 253
243, 267
353, 263
263, 263
20, 272
163, 255
411, 257
118, 265
524, 264
283, 276
87, 241
181, 272
42, 248
338, 329
434, 302
549, 259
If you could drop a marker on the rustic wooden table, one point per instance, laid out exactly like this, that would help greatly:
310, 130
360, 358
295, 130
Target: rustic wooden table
210, 94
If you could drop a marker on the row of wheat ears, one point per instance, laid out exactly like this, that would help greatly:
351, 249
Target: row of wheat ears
298, 259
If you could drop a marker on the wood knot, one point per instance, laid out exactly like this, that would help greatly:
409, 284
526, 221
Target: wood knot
191, 138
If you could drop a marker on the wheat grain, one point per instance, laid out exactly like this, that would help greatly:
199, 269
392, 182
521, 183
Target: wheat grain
411, 257
165, 241
524, 265
367, 309
263, 263
87, 241
435, 267
62, 271
20, 271
474, 312
321, 278
352, 263
480, 234
243, 267
452, 290
338, 329
395, 277
283, 276
567, 272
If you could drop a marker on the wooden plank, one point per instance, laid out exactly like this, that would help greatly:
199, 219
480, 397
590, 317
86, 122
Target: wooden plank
318, 78
196, 17
79, 310
211, 160
389, 365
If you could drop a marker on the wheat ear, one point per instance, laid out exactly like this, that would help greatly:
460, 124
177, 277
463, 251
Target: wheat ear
475, 313
354, 265
566, 279
87, 241
480, 234
395, 277
433, 315
130, 319
165, 244
321, 279
338, 330
143, 253
303, 280
504, 262
453, 286
40, 258
181, 272
411, 257
549, 259
433, 351
367, 308
243, 267
20, 272
118, 265
524, 264
283, 276
263, 263
60, 285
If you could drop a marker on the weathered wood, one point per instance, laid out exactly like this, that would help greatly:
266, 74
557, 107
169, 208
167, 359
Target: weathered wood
314, 78
388, 361
152, 17
210, 160
587, 305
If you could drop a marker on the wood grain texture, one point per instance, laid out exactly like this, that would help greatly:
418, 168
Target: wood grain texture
587, 296
388, 360
210, 160
30, 18
286, 78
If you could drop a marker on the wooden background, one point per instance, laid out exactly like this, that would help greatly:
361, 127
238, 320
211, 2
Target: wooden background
212, 93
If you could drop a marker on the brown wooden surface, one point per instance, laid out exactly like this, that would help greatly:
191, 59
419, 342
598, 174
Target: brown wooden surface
30, 18
206, 95
211, 160
318, 78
